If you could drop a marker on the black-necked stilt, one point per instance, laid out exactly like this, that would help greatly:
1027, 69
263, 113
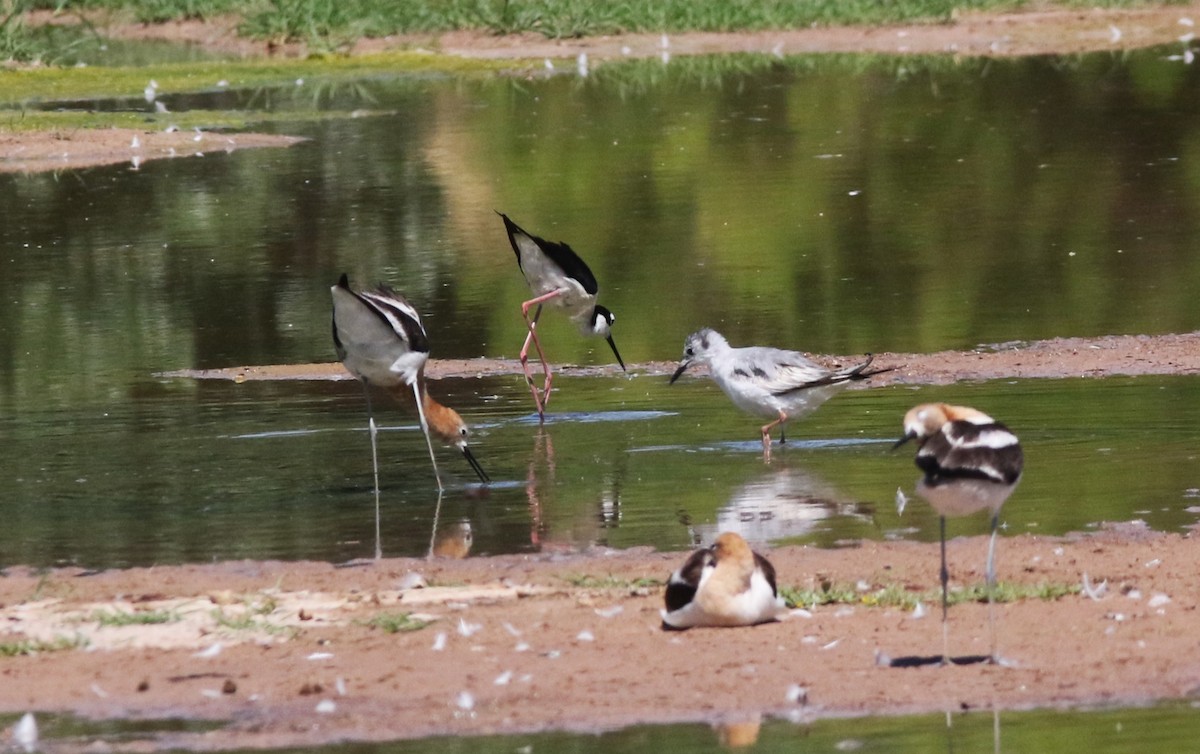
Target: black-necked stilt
557, 276
381, 341
768, 382
972, 463
727, 584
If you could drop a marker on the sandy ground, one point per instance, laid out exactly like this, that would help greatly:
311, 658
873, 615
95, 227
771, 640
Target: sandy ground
82, 148
552, 641
295, 653
1106, 356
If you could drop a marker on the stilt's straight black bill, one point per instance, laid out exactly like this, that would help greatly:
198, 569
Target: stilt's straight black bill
483, 477
902, 440
613, 346
679, 371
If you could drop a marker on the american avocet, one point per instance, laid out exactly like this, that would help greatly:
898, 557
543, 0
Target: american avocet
557, 276
727, 584
972, 463
768, 382
381, 341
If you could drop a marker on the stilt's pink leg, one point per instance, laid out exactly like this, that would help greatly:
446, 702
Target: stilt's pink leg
537, 401
531, 324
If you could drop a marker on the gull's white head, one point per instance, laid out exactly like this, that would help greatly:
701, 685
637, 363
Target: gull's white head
699, 348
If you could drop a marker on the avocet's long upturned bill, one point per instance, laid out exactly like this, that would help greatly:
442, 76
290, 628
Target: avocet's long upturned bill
557, 276
381, 341
727, 584
972, 463
768, 382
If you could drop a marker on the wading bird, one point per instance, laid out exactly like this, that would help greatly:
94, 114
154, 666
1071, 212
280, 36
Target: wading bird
381, 341
972, 463
727, 584
558, 277
768, 382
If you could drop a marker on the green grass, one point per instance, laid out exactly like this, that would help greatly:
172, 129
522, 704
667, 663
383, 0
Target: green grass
309, 19
328, 25
587, 581
251, 617
136, 618
394, 623
37, 646
16, 42
894, 595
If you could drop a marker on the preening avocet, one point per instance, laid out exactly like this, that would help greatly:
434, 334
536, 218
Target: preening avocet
727, 584
972, 463
557, 276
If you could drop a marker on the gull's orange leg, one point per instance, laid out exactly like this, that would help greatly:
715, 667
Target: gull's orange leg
766, 435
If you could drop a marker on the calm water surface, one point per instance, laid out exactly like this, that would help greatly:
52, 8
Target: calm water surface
837, 205
1153, 729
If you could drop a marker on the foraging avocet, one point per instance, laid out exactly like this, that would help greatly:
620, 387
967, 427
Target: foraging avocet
381, 341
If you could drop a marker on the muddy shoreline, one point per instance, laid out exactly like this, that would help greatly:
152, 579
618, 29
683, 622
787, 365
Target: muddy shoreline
1056, 358
572, 642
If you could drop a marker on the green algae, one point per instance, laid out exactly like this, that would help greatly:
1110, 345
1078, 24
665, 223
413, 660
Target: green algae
43, 85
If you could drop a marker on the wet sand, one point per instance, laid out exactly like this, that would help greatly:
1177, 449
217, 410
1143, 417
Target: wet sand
1107, 356
572, 641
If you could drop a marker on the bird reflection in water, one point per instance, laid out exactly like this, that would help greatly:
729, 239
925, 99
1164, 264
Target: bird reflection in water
739, 733
567, 525
453, 541
780, 504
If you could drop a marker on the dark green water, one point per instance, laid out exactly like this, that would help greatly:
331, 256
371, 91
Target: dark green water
836, 205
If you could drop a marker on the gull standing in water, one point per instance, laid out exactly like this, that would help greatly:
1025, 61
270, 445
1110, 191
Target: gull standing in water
557, 276
769, 382
972, 463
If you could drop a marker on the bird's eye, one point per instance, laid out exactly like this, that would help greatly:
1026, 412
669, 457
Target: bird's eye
689, 351
463, 431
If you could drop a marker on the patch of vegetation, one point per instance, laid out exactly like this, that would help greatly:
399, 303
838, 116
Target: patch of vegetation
587, 581
895, 595
327, 25
247, 621
249, 617
394, 623
51, 84
136, 618
16, 43
35, 646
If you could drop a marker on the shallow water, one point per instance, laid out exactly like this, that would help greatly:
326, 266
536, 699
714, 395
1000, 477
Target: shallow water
1151, 729
838, 204
206, 471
